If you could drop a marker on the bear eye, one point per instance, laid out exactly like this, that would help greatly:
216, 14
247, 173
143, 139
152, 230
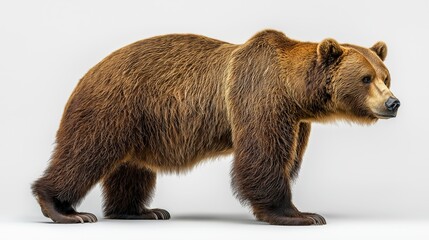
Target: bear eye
366, 79
385, 80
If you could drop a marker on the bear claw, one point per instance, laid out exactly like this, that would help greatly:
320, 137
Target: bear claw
318, 220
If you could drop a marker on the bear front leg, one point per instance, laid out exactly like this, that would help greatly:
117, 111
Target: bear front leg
264, 159
304, 130
302, 141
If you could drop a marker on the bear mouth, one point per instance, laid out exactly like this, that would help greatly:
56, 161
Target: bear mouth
385, 116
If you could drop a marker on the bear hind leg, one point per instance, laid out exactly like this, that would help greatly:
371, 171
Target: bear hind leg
62, 211
128, 191
69, 177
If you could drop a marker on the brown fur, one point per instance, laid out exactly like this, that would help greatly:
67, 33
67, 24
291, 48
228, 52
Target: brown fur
164, 104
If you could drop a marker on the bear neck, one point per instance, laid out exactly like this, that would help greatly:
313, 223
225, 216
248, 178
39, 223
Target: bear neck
308, 83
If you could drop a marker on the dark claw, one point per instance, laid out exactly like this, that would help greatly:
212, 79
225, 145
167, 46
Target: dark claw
161, 213
319, 220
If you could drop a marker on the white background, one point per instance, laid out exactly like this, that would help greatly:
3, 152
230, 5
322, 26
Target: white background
366, 181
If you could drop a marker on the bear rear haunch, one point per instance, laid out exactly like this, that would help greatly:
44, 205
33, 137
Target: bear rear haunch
166, 103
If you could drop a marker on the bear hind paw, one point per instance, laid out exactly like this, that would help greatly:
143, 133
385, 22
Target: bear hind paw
147, 214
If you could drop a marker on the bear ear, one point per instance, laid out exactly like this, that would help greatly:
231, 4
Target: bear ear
380, 48
329, 50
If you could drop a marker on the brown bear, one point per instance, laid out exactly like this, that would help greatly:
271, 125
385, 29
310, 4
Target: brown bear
166, 103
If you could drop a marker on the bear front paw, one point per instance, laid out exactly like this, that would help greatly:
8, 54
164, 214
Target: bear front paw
291, 218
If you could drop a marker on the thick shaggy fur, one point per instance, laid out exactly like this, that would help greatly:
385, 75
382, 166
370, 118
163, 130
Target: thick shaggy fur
164, 104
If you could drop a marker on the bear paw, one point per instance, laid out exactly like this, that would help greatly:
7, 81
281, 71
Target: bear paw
148, 214
291, 218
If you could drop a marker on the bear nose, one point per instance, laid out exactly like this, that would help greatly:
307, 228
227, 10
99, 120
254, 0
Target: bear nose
392, 104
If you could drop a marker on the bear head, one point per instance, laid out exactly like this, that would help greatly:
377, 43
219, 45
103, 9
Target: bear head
357, 81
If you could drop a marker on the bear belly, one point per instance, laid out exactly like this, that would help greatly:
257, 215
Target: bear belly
183, 157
